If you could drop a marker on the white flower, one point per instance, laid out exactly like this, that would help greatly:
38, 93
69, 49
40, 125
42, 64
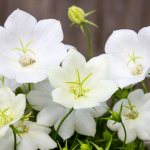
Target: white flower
32, 137
29, 47
11, 108
80, 120
80, 84
128, 55
135, 116
11, 83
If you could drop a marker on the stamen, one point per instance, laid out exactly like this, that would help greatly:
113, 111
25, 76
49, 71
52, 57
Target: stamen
26, 61
77, 88
5, 117
24, 47
132, 114
137, 68
27, 58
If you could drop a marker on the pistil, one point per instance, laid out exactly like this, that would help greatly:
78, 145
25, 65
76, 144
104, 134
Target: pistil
77, 88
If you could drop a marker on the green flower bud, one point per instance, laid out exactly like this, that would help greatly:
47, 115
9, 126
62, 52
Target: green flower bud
116, 117
76, 14
85, 147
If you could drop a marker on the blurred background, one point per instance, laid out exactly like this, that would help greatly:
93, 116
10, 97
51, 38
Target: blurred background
110, 15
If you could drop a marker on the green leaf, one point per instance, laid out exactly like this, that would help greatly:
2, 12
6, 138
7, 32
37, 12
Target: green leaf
96, 146
108, 144
107, 135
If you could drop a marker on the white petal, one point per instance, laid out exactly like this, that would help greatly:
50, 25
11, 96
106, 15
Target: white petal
58, 76
68, 126
98, 110
3, 130
136, 96
49, 115
144, 39
33, 126
131, 134
20, 23
51, 55
142, 128
86, 102
19, 107
121, 41
32, 74
121, 74
11, 84
7, 141
99, 66
73, 61
103, 90
112, 125
26, 143
42, 140
39, 99
48, 31
63, 97
7, 94
84, 123
42, 86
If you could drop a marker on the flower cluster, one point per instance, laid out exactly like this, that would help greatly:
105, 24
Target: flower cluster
48, 84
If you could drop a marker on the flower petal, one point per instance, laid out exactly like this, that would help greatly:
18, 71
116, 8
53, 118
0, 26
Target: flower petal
49, 115
84, 123
63, 97
48, 31
98, 110
42, 140
20, 23
26, 143
7, 141
131, 134
73, 61
67, 128
120, 42
112, 125
38, 100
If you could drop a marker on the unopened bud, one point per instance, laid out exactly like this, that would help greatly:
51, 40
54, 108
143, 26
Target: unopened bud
85, 147
76, 14
116, 117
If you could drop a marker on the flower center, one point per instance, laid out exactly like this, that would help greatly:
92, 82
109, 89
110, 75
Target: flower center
28, 56
5, 117
77, 87
133, 64
22, 128
132, 113
27, 60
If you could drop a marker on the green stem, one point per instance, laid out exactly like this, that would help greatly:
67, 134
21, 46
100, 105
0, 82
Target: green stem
144, 86
30, 86
88, 34
74, 141
125, 135
15, 138
56, 134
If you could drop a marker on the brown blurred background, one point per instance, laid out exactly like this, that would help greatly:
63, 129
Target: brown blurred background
110, 15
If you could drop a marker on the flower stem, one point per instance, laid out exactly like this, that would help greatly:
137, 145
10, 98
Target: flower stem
144, 86
125, 134
15, 138
56, 134
30, 86
88, 34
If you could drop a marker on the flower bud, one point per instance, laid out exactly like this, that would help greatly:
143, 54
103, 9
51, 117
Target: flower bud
85, 147
76, 14
116, 117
